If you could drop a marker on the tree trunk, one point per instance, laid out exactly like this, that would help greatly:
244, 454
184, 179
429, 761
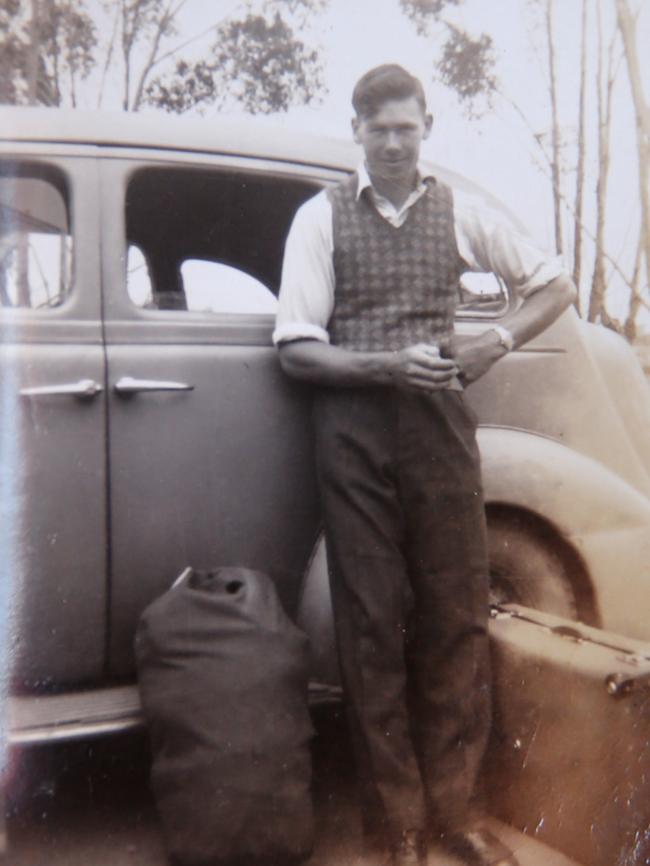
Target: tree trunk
604, 83
33, 56
23, 293
580, 167
629, 327
555, 160
626, 25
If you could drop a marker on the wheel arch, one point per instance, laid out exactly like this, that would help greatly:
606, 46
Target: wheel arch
598, 521
546, 533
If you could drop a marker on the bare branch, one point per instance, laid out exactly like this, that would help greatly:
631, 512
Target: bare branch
109, 57
545, 168
580, 167
555, 126
163, 23
191, 40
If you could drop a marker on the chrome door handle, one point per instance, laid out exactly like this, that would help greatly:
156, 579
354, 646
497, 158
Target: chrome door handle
129, 385
85, 389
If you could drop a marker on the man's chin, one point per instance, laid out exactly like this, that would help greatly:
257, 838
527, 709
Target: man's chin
394, 171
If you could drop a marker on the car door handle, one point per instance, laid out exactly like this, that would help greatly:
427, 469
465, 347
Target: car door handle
128, 385
85, 389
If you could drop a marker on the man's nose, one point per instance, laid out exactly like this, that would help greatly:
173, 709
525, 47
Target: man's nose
393, 142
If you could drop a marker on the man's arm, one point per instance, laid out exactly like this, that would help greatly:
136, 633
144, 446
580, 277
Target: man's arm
475, 355
417, 367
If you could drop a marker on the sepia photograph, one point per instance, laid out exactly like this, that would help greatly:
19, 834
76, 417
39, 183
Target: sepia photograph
324, 433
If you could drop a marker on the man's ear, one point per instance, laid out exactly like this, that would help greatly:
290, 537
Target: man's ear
355, 129
428, 125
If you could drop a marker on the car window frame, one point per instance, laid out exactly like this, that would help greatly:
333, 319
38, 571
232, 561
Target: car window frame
81, 309
116, 168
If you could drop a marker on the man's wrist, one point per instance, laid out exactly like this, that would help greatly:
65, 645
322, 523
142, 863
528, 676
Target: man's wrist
504, 337
493, 340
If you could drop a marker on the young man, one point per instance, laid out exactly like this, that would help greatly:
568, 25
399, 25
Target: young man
369, 290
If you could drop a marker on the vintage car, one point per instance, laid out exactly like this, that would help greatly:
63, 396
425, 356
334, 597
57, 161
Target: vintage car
146, 424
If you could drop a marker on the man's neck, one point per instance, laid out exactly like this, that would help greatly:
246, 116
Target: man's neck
396, 191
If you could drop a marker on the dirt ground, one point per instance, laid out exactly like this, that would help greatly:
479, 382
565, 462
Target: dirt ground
89, 805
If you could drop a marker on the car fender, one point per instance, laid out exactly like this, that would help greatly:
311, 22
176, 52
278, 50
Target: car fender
602, 517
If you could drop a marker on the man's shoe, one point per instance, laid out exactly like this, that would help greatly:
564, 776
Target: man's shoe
411, 850
479, 848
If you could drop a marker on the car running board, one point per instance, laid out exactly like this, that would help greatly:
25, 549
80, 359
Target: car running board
35, 719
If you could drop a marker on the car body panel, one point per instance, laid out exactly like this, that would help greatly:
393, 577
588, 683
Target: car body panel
226, 467
57, 506
555, 386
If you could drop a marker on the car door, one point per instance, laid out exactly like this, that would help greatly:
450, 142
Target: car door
53, 419
209, 444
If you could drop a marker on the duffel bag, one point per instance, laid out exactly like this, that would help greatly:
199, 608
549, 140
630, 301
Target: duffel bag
223, 682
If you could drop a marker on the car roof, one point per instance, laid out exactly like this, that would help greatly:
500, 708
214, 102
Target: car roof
213, 135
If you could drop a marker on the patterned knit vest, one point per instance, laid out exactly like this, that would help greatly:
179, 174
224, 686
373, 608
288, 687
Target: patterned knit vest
394, 286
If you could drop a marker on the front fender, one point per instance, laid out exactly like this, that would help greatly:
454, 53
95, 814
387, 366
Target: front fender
605, 519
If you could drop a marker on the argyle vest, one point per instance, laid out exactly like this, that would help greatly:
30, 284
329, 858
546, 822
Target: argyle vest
394, 287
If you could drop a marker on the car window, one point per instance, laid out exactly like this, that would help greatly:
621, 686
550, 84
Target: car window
35, 239
482, 295
208, 241
138, 279
219, 288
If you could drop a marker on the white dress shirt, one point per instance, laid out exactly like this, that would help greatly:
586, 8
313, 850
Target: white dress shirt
486, 240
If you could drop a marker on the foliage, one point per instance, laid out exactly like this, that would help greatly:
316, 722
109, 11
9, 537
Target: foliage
422, 11
465, 64
257, 61
145, 24
141, 20
59, 46
12, 54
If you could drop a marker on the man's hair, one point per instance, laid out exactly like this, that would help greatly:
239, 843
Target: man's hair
383, 83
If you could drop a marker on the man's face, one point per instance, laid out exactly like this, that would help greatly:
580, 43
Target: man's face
391, 138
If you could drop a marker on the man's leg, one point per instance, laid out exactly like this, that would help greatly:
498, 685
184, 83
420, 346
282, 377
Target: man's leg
448, 653
355, 432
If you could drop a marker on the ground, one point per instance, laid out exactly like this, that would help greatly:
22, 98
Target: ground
89, 804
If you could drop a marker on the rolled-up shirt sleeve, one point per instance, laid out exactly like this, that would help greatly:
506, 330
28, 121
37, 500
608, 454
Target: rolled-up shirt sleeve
307, 289
489, 242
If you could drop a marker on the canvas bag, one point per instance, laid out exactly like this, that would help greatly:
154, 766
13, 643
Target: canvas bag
223, 678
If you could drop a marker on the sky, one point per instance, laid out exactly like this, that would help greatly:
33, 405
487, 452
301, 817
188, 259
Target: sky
498, 150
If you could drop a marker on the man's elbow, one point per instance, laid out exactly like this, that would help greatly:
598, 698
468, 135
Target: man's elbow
286, 359
292, 359
565, 292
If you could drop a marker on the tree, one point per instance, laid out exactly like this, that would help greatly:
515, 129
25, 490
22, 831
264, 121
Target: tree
259, 58
605, 84
257, 61
626, 26
581, 144
598, 29
142, 25
465, 64
44, 51
555, 126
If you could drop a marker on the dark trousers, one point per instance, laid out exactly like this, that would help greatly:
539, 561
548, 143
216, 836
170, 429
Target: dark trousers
405, 528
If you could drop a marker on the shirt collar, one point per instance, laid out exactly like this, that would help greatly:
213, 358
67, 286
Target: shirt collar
364, 181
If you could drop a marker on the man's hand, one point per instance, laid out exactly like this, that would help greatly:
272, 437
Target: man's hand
421, 368
417, 367
475, 355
